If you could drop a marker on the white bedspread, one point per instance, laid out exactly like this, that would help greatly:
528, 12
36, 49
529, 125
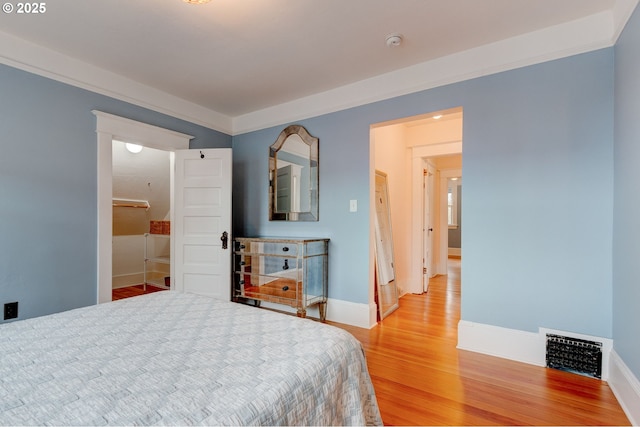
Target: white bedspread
171, 358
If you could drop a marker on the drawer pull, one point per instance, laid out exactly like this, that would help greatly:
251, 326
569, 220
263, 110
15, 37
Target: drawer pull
242, 282
286, 264
285, 288
242, 262
285, 249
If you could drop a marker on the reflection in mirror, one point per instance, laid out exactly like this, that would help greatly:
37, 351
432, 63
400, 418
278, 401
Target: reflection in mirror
293, 176
387, 290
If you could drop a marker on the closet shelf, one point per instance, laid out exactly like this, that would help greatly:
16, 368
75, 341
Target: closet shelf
152, 258
131, 203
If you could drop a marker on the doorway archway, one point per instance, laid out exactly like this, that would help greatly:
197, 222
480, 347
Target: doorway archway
407, 143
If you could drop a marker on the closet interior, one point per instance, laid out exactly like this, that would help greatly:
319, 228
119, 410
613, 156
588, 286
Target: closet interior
141, 227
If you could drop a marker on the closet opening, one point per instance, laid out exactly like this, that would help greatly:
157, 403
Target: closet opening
140, 214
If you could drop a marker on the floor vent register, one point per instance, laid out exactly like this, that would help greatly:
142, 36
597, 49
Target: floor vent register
574, 355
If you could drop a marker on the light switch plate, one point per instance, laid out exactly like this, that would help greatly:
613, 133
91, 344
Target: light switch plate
353, 205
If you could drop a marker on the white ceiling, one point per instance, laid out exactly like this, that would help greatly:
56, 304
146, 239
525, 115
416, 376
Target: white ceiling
235, 65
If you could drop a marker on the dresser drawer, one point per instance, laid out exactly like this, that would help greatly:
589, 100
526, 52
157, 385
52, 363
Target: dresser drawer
283, 271
268, 248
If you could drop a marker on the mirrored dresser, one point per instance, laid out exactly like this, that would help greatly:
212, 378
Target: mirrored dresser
289, 271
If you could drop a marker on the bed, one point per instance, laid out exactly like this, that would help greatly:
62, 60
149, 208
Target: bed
170, 358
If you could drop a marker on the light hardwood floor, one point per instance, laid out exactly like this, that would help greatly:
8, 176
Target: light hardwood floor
422, 379
132, 291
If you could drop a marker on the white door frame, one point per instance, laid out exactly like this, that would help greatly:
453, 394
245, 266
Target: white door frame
418, 154
108, 128
429, 216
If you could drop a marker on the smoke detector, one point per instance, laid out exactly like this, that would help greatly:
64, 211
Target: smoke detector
394, 40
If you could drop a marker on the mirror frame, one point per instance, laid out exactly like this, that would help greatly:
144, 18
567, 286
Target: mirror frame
314, 178
387, 293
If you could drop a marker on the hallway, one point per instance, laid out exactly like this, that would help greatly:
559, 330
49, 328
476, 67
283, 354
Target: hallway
422, 379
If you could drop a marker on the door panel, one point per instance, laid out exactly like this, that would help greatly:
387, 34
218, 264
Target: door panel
202, 214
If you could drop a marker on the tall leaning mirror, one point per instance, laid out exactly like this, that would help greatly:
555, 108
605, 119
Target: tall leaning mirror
387, 291
293, 176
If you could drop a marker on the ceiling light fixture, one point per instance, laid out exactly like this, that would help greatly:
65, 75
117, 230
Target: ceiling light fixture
133, 148
437, 117
196, 1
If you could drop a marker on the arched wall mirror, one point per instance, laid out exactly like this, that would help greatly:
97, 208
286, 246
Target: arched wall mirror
293, 176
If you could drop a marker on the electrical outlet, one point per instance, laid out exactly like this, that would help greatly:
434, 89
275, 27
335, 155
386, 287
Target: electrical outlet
10, 310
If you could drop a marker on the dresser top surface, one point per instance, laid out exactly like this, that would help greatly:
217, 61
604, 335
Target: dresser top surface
282, 239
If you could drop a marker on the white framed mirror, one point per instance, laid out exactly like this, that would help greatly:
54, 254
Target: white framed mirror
293, 176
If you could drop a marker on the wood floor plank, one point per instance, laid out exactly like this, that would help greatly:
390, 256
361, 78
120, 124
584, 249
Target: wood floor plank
422, 379
132, 291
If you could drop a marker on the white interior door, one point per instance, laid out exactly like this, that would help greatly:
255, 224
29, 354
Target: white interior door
202, 215
427, 229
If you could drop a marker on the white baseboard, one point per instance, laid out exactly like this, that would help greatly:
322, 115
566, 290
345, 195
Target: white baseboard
454, 251
349, 313
626, 387
512, 344
124, 280
530, 347
521, 346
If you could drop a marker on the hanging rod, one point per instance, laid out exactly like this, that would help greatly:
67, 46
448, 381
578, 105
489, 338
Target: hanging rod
131, 203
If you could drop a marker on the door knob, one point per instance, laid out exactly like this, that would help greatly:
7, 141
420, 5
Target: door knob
225, 239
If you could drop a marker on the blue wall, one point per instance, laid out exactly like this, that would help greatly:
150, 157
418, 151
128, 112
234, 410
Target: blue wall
538, 171
538, 193
626, 224
538, 174
48, 219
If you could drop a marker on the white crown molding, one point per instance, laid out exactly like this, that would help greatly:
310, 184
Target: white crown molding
583, 35
590, 33
622, 11
27, 56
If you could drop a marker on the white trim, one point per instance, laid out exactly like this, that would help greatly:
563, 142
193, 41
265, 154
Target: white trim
416, 283
454, 251
45, 62
626, 388
109, 127
339, 311
622, 11
513, 344
438, 149
128, 130
572, 38
441, 243
590, 33
126, 280
521, 346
